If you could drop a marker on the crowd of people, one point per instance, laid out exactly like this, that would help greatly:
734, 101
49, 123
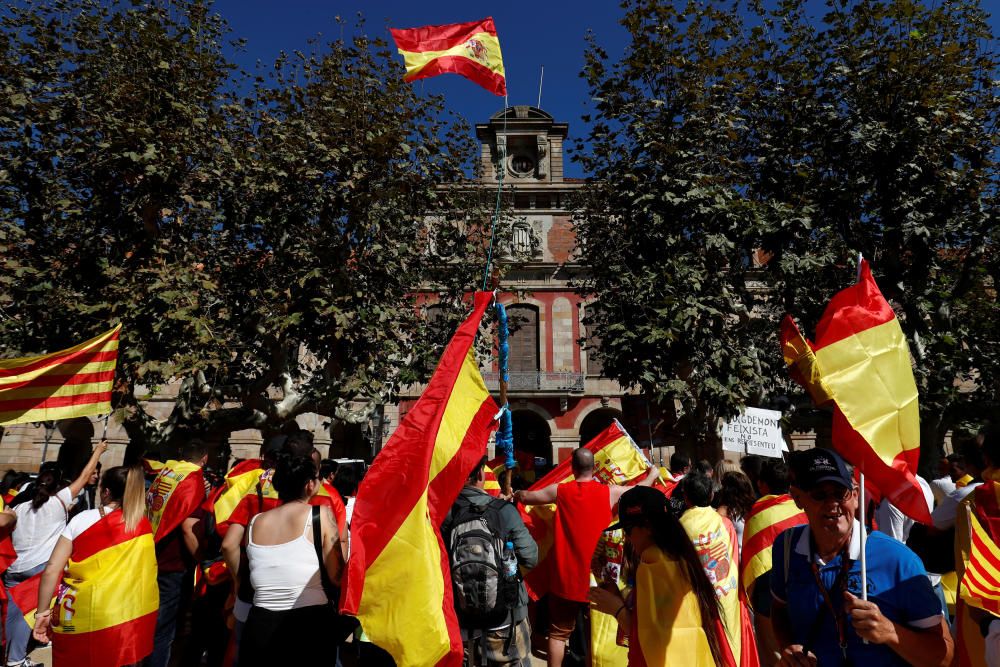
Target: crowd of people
742, 563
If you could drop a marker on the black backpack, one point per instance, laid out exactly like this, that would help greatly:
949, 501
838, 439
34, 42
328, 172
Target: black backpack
483, 594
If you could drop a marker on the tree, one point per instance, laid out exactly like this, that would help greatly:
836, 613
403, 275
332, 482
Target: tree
876, 131
759, 134
664, 227
258, 249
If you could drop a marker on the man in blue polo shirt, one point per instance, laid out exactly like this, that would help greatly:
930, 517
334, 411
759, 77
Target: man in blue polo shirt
818, 615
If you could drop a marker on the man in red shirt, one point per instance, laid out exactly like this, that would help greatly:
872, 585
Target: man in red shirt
583, 511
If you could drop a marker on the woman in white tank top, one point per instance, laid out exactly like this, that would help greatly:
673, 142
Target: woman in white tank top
290, 612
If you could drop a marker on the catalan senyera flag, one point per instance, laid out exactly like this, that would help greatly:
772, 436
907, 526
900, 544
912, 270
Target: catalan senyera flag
469, 49
768, 518
861, 363
492, 485
105, 614
981, 581
398, 580
617, 460
74, 382
176, 491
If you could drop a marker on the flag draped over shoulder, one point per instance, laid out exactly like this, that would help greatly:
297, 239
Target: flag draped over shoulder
469, 49
398, 579
861, 363
176, 491
768, 518
105, 615
617, 460
74, 382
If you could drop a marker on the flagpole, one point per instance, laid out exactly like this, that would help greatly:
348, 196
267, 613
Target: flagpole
861, 497
104, 434
50, 426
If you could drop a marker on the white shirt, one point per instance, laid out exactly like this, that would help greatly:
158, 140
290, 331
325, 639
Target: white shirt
894, 523
945, 513
37, 531
941, 487
83, 521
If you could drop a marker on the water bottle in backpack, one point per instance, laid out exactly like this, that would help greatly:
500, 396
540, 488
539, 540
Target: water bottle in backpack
509, 561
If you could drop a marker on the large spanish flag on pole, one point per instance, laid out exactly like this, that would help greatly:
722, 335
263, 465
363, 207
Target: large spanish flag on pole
768, 518
175, 493
398, 580
106, 609
470, 49
74, 382
861, 362
617, 460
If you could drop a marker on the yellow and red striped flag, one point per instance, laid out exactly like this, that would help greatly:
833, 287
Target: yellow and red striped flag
492, 484
981, 581
176, 492
398, 580
617, 460
861, 362
469, 49
768, 518
106, 611
74, 382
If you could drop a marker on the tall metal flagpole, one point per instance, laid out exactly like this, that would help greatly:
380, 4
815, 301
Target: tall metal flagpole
861, 497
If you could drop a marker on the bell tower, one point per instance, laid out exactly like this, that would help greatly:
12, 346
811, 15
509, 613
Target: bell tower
523, 142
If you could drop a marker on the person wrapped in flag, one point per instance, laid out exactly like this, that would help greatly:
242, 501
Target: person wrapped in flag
104, 567
671, 616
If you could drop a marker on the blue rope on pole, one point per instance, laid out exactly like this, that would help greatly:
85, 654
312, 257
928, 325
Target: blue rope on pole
505, 432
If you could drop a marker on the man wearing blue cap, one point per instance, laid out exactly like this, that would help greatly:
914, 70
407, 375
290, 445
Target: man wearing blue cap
818, 614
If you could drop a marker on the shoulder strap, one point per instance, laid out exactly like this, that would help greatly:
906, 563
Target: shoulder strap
65, 508
318, 545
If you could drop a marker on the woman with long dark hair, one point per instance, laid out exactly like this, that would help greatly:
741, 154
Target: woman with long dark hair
38, 523
735, 499
291, 613
105, 613
672, 615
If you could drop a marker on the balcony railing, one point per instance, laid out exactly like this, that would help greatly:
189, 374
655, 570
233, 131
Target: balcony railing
539, 381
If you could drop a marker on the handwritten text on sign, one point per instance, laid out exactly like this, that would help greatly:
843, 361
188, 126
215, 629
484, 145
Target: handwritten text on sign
756, 431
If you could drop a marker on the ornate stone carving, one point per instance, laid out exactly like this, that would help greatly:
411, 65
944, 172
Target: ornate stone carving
542, 144
524, 241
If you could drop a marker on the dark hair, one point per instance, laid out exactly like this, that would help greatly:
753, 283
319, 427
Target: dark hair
679, 461
346, 482
669, 535
327, 467
9, 479
973, 458
474, 474
46, 486
697, 489
193, 450
775, 474
736, 494
703, 467
299, 443
753, 465
291, 474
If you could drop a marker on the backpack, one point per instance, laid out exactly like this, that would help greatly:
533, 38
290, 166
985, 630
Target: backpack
483, 595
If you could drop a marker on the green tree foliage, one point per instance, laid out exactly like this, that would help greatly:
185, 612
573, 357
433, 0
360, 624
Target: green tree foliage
728, 129
258, 247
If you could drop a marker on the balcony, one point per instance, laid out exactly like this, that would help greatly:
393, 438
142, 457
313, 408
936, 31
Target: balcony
539, 381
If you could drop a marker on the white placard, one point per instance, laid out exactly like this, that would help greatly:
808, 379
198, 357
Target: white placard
756, 431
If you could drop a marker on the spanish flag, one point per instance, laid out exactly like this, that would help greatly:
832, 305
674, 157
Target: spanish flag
398, 581
861, 363
105, 614
176, 491
768, 518
470, 49
247, 491
617, 460
74, 382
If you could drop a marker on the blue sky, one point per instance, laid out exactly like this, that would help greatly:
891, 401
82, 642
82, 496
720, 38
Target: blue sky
532, 34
